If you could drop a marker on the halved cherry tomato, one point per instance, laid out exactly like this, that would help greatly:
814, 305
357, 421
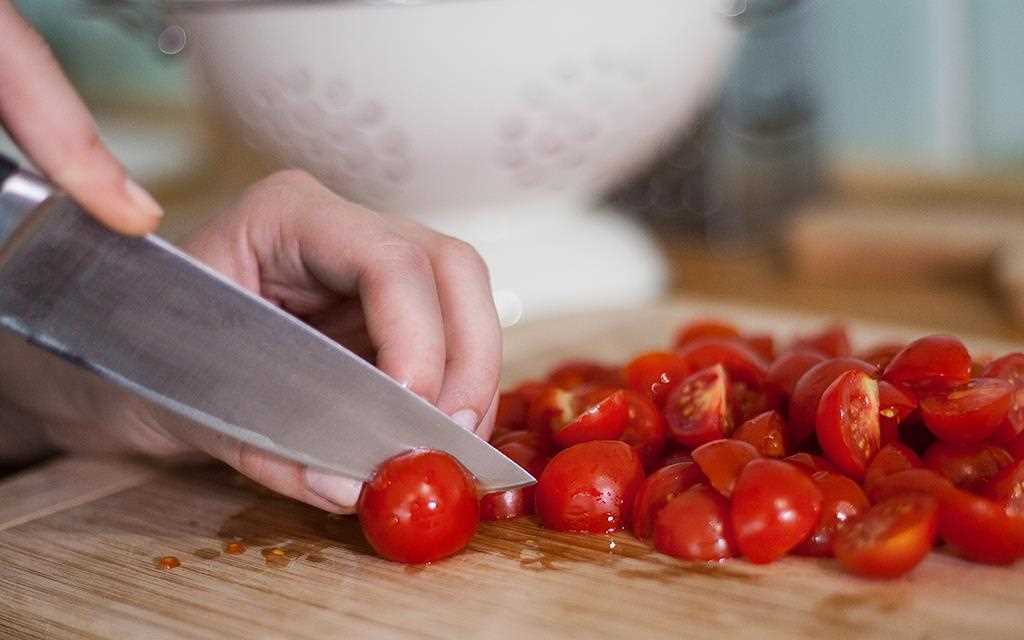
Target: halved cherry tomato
589, 487
979, 528
646, 429
968, 413
695, 525
766, 433
842, 501
1010, 368
832, 341
722, 461
704, 328
784, 373
739, 360
803, 404
894, 406
419, 507
810, 463
774, 508
676, 457
513, 406
657, 490
892, 458
655, 373
932, 363
574, 373
1007, 488
847, 422
909, 481
891, 538
527, 438
881, 355
504, 505
763, 344
1016, 447
697, 410
966, 465
579, 415
746, 402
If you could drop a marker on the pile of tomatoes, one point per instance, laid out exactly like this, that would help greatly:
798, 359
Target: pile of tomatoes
721, 447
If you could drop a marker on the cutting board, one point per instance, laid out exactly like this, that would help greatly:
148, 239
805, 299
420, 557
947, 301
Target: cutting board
80, 540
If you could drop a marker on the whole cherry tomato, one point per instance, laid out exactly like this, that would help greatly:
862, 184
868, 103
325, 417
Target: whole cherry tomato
419, 507
697, 410
895, 405
722, 461
695, 525
504, 505
657, 490
891, 538
847, 422
774, 508
966, 465
932, 363
766, 433
646, 430
589, 487
892, 458
842, 502
968, 413
704, 328
654, 374
739, 360
832, 341
803, 404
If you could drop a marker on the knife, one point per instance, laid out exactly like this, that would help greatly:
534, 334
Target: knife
99, 326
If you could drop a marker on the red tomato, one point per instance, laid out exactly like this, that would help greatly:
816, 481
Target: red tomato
980, 529
695, 525
646, 430
766, 433
832, 341
574, 373
892, 458
654, 374
966, 465
738, 359
503, 505
697, 410
526, 438
1010, 368
803, 404
722, 461
842, 501
810, 463
513, 406
763, 344
891, 538
848, 422
699, 329
968, 413
419, 507
895, 405
1007, 488
881, 354
579, 415
784, 373
774, 508
1016, 447
932, 363
909, 481
589, 487
746, 402
657, 490
676, 457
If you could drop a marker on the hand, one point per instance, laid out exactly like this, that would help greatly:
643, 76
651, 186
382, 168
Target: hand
46, 118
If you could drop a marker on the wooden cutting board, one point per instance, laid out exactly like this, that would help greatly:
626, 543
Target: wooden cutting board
79, 540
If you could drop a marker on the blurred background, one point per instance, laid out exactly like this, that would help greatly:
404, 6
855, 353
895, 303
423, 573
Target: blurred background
856, 157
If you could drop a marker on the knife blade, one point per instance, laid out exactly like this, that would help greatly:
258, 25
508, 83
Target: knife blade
98, 325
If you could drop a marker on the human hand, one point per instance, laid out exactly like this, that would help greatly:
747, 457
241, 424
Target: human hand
45, 117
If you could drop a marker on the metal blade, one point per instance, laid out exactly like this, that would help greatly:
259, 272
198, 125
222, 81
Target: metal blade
134, 320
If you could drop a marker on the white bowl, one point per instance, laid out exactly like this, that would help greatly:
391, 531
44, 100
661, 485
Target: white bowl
499, 121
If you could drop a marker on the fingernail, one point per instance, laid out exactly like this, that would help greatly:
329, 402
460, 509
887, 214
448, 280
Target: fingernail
466, 418
141, 199
343, 492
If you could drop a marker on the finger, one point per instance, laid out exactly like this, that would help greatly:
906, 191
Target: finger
486, 427
46, 118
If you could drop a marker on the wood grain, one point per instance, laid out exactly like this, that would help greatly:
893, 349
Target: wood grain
89, 571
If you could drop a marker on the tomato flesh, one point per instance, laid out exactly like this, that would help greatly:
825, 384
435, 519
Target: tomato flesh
419, 507
891, 538
766, 433
932, 363
968, 413
505, 505
654, 374
847, 422
657, 490
695, 525
842, 502
966, 465
722, 461
697, 410
570, 417
803, 404
895, 406
1010, 368
646, 430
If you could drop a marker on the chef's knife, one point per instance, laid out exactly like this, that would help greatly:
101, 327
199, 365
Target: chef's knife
98, 326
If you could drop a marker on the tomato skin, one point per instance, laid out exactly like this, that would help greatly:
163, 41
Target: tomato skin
646, 429
739, 360
657, 490
932, 363
695, 525
803, 404
968, 413
513, 406
881, 354
654, 374
766, 432
568, 417
763, 344
891, 538
1016, 447
774, 508
966, 465
832, 341
909, 481
722, 461
504, 505
895, 405
810, 463
980, 529
704, 328
847, 422
842, 502
787, 369
575, 373
1006, 488
419, 507
697, 410
1010, 368
527, 438
892, 458
589, 487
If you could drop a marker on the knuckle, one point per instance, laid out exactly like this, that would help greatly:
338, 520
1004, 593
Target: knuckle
464, 254
401, 254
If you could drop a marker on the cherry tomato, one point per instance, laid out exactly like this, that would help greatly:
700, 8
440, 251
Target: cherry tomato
574, 373
968, 413
697, 410
657, 490
676, 457
881, 355
892, 458
784, 373
579, 415
528, 438
842, 501
847, 422
513, 406
655, 373
803, 404
895, 405
738, 359
810, 463
589, 487
1007, 488
646, 429
833, 341
774, 508
980, 529
891, 538
695, 525
1016, 447
722, 461
504, 505
419, 507
763, 344
704, 328
746, 402
932, 363
766, 433
966, 465
909, 481
1010, 368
